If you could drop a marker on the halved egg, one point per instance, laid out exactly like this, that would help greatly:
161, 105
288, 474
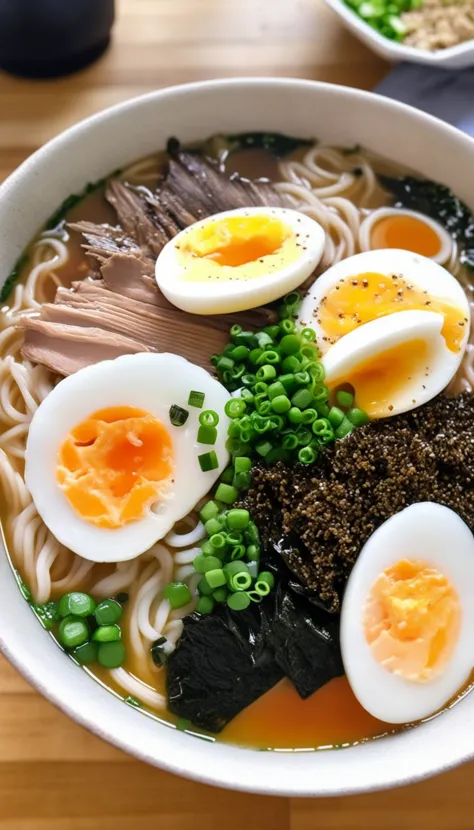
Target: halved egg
393, 363
377, 284
408, 230
407, 622
239, 259
109, 469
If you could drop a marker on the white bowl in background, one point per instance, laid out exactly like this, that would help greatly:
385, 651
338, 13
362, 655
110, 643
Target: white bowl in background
87, 152
455, 57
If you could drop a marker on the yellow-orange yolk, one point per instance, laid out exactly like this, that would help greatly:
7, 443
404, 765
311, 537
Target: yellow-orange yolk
365, 297
406, 232
379, 379
237, 248
237, 240
113, 466
412, 620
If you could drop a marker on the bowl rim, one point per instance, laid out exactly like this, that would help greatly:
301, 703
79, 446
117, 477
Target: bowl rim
440, 57
189, 769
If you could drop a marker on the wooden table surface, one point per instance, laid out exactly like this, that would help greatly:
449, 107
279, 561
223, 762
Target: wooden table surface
53, 774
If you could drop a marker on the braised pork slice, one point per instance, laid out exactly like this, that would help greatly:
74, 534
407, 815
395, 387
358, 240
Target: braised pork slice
119, 308
66, 348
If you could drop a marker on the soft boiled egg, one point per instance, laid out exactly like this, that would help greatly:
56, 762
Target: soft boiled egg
389, 227
239, 259
108, 471
391, 323
407, 623
394, 363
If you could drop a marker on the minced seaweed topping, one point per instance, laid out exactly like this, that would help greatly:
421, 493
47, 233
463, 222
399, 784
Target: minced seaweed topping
329, 510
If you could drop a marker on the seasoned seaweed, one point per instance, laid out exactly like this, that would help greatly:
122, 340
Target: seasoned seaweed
226, 661
439, 202
222, 664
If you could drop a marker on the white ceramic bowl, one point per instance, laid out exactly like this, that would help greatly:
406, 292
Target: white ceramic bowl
90, 150
455, 57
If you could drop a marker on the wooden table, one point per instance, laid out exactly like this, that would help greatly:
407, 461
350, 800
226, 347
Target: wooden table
53, 774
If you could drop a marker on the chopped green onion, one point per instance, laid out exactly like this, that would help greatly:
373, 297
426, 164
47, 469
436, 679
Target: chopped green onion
255, 355
302, 398
276, 389
344, 399
335, 416
107, 634
271, 356
253, 568
208, 418
254, 596
86, 654
209, 511
178, 594
235, 330
253, 553
252, 533
242, 464
345, 428
237, 552
108, 612
281, 404
196, 399
291, 364
216, 578
218, 541
205, 605
306, 455
220, 594
207, 435
308, 416
213, 526
178, 415
289, 344
240, 353
287, 326
240, 582
226, 493
273, 331
204, 589
111, 655
206, 548
290, 441
308, 335
242, 481
238, 519
266, 372
77, 603
239, 601
73, 631
358, 417
208, 461
295, 415
235, 407
227, 476
263, 447
267, 576
262, 588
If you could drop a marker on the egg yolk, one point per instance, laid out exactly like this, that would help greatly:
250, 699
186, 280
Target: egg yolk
113, 466
365, 297
237, 247
406, 232
379, 380
412, 620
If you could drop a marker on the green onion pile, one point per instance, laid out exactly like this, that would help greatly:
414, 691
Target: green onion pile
89, 630
282, 412
279, 412
385, 16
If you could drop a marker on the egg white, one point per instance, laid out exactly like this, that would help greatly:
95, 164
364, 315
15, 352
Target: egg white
239, 294
430, 533
385, 333
419, 271
152, 382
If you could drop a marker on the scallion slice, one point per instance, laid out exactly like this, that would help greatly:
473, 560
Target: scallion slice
208, 461
178, 415
196, 399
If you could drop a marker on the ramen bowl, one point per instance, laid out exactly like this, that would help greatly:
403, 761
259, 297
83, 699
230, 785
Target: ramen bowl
90, 150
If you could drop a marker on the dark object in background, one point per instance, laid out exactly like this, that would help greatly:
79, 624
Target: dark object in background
228, 659
48, 38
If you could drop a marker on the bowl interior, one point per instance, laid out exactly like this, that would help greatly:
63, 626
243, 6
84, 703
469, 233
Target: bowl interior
87, 152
